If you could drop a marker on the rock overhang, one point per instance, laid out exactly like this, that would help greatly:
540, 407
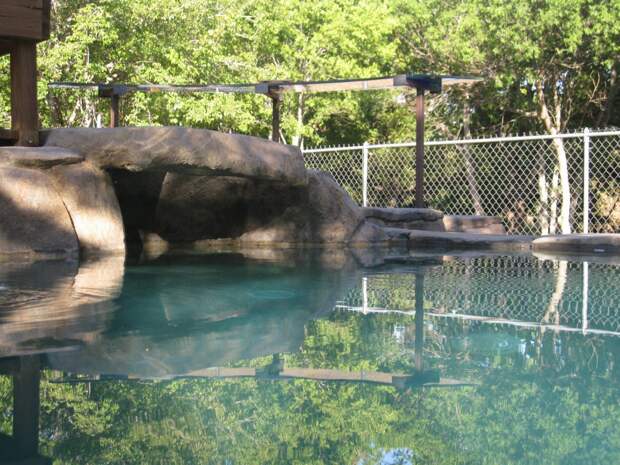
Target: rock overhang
184, 151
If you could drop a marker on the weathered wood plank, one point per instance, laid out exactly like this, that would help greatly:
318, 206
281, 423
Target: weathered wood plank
19, 21
25, 3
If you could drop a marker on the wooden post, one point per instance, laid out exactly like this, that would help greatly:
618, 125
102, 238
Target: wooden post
115, 113
419, 321
24, 111
419, 148
276, 101
26, 407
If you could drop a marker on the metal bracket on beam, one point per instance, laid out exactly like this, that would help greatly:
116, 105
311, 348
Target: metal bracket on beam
427, 82
114, 93
110, 90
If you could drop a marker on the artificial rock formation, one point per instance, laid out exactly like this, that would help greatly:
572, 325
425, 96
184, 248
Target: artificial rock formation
34, 219
104, 189
89, 197
183, 150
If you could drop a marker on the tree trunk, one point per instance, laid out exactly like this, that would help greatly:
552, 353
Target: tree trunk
470, 167
298, 139
612, 96
553, 208
543, 194
553, 127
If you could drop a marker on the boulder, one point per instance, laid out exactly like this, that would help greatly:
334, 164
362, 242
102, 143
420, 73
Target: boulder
408, 218
34, 219
194, 208
183, 150
402, 215
474, 224
38, 157
321, 213
89, 197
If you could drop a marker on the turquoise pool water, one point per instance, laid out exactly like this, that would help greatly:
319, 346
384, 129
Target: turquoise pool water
277, 359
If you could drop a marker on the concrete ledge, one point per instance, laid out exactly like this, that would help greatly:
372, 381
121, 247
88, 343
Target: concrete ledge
579, 244
453, 240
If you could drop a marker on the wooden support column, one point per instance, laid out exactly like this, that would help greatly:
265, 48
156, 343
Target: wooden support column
115, 112
276, 101
24, 111
26, 407
419, 148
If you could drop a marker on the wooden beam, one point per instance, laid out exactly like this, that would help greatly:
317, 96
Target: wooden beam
24, 110
6, 46
28, 19
325, 86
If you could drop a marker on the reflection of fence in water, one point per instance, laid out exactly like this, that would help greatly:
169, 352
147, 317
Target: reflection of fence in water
521, 289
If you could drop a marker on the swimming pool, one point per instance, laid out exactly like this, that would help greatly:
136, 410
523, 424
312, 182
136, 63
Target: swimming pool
276, 358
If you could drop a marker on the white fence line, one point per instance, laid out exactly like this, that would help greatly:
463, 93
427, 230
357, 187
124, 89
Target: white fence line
515, 177
571, 135
507, 298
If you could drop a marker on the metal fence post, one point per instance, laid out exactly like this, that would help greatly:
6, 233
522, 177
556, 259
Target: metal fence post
584, 301
365, 174
586, 180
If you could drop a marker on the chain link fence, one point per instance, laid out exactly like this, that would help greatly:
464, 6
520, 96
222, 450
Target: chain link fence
519, 179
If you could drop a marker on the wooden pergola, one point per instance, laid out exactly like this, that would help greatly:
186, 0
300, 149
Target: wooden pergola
275, 90
23, 23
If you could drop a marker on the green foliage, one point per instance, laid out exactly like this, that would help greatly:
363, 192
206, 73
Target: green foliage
542, 406
570, 48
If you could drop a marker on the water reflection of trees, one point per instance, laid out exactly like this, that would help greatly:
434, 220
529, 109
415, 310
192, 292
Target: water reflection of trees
540, 397
556, 401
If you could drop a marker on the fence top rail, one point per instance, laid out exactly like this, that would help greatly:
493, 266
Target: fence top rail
486, 140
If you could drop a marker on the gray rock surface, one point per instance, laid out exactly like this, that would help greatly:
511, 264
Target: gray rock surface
402, 215
38, 157
473, 224
183, 150
579, 244
33, 218
89, 197
409, 218
323, 213
250, 211
450, 240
